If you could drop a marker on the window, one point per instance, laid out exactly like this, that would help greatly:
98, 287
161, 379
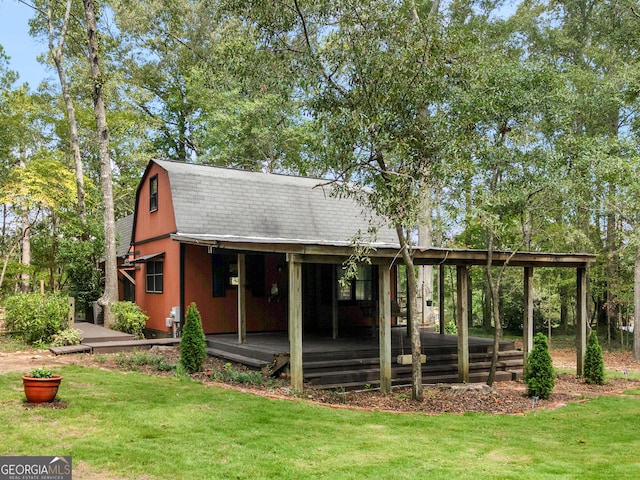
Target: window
155, 272
360, 288
153, 193
219, 274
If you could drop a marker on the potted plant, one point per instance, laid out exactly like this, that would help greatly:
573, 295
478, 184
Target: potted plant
41, 385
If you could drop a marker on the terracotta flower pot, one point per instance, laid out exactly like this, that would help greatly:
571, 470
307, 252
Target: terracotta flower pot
41, 390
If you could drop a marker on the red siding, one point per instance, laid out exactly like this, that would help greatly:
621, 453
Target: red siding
151, 236
220, 314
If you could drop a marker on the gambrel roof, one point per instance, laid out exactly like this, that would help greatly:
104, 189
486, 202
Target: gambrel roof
213, 203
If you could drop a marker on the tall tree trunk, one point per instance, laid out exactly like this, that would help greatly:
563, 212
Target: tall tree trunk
416, 347
25, 257
56, 54
110, 295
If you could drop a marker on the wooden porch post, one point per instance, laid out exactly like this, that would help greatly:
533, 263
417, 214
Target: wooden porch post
295, 323
242, 299
581, 320
334, 301
384, 315
441, 297
463, 325
527, 325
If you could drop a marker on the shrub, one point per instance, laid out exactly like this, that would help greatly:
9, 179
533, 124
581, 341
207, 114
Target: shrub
35, 318
68, 336
133, 360
229, 374
193, 345
129, 318
539, 376
593, 363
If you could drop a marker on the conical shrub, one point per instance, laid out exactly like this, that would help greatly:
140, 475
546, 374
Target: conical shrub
539, 376
193, 345
593, 362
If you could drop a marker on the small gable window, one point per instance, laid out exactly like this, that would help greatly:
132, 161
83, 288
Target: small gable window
154, 277
153, 193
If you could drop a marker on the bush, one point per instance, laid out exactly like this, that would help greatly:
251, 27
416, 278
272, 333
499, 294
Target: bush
129, 318
539, 376
68, 336
35, 318
193, 345
593, 363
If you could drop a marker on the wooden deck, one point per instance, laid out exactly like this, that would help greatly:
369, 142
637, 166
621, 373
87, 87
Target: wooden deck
353, 362
98, 339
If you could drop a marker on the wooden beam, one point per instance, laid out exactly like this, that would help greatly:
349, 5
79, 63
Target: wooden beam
581, 320
441, 298
334, 301
463, 325
295, 324
527, 325
126, 275
384, 312
242, 299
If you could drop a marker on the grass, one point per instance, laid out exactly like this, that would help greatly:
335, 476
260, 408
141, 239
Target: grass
133, 425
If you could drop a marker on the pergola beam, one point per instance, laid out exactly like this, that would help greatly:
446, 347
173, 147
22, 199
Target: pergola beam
463, 324
384, 309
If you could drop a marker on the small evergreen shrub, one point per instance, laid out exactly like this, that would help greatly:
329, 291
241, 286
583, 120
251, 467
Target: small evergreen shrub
68, 336
193, 345
35, 318
539, 376
593, 362
129, 319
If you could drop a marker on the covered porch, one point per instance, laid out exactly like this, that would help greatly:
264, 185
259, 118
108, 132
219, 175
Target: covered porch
353, 361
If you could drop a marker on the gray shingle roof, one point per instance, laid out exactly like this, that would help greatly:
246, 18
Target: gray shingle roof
124, 230
213, 203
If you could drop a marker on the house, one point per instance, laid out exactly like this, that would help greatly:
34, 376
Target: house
264, 253
196, 226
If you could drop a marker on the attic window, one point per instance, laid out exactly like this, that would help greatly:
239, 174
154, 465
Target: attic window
153, 193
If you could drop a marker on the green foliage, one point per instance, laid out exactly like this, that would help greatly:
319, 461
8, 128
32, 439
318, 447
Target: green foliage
230, 374
450, 328
593, 362
68, 336
129, 318
35, 318
133, 360
41, 372
539, 376
193, 345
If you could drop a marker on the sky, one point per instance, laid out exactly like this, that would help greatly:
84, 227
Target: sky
23, 49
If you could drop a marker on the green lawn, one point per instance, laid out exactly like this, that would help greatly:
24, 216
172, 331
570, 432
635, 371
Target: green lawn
134, 425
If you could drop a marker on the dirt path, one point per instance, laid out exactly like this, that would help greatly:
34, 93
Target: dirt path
25, 361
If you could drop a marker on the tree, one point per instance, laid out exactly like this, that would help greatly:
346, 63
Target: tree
539, 376
110, 294
53, 20
371, 77
193, 344
593, 362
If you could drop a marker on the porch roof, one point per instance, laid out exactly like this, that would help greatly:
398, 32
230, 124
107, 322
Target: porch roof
385, 253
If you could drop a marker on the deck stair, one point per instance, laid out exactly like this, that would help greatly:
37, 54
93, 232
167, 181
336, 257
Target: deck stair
359, 366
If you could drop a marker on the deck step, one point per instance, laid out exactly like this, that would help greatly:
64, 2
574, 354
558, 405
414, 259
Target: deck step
129, 345
68, 349
234, 357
